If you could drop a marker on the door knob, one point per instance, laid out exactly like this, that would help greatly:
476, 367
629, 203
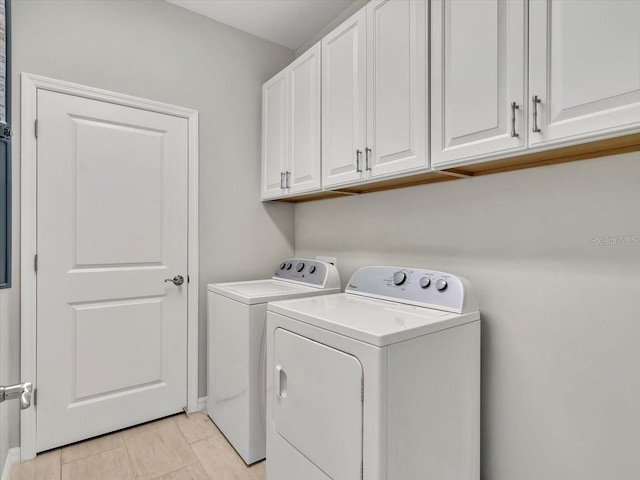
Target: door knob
25, 398
177, 280
23, 391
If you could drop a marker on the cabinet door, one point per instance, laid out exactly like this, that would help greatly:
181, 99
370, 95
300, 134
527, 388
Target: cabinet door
478, 70
317, 404
274, 136
343, 102
584, 68
396, 86
304, 122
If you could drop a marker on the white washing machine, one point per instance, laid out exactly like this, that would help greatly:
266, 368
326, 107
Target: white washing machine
381, 382
236, 359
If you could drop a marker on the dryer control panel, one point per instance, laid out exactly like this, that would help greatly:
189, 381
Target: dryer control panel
414, 286
310, 272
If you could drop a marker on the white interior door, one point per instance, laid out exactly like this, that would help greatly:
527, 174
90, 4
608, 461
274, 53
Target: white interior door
111, 227
317, 405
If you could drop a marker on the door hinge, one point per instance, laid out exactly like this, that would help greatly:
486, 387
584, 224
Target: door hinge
35, 128
35, 263
23, 391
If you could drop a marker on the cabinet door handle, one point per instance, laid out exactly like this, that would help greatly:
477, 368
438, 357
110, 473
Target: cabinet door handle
288, 177
514, 107
535, 101
358, 157
367, 152
282, 180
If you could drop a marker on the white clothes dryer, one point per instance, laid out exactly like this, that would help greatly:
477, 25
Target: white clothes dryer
381, 382
236, 355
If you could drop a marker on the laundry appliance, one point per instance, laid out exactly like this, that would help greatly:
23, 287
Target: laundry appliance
381, 382
236, 354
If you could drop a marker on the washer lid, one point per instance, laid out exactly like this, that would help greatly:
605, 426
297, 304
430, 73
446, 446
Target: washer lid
373, 321
263, 291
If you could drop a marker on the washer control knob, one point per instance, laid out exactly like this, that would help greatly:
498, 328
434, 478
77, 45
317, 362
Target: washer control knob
300, 266
312, 269
282, 265
425, 282
399, 278
441, 284
289, 266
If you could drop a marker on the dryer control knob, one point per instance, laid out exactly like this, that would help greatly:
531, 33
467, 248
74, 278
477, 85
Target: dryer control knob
441, 284
425, 282
289, 266
399, 278
282, 265
300, 266
312, 269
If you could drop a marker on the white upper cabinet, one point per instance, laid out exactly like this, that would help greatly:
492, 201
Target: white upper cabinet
584, 68
291, 128
343, 102
374, 97
274, 136
478, 78
396, 87
499, 78
304, 122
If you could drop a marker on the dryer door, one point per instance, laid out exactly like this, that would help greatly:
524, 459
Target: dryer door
317, 405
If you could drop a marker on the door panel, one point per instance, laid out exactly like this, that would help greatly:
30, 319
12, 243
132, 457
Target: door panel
343, 102
112, 225
317, 404
396, 86
478, 70
117, 346
304, 121
584, 67
136, 212
274, 135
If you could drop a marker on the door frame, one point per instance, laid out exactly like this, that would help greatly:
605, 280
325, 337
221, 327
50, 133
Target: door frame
28, 209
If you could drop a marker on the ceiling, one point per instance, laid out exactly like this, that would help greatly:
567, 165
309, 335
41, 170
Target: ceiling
289, 23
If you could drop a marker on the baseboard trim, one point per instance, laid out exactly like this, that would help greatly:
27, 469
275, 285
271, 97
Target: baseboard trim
13, 458
202, 404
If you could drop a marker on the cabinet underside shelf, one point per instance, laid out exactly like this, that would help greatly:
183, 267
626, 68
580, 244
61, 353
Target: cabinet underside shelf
584, 151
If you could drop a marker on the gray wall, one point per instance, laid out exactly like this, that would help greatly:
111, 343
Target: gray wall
155, 50
561, 316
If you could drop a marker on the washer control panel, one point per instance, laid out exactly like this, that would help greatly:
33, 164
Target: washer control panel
302, 270
414, 286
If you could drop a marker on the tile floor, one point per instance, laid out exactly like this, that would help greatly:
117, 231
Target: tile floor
174, 448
